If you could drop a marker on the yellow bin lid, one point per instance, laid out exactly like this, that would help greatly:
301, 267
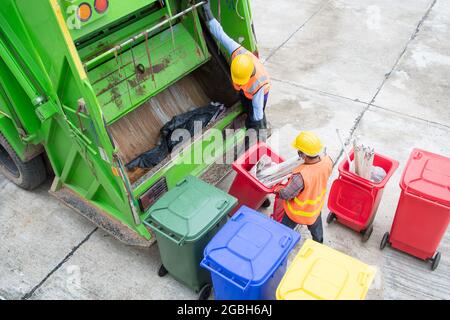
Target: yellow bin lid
321, 273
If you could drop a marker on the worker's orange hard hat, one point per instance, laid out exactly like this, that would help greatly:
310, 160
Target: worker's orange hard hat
241, 69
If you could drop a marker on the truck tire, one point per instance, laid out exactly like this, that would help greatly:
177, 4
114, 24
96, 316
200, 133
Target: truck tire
27, 175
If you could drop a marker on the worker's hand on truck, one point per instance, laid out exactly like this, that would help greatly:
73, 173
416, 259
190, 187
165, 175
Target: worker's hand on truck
208, 13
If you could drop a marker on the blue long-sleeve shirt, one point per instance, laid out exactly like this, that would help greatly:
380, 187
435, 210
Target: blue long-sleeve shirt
231, 46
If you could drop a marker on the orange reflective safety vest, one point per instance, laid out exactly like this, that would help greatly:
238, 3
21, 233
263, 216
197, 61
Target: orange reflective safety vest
306, 207
259, 80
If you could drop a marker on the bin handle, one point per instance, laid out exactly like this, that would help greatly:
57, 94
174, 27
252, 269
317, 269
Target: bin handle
285, 241
427, 200
222, 205
153, 225
418, 155
363, 277
409, 192
180, 183
206, 265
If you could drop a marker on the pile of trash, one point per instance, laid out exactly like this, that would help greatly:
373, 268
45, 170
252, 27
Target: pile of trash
166, 145
363, 165
363, 161
270, 173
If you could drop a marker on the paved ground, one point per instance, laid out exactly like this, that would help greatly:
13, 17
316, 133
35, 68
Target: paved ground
379, 69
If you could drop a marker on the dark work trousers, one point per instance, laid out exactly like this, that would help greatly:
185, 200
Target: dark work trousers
248, 105
316, 229
250, 122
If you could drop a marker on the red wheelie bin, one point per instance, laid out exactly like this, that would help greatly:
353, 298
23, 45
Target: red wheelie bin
354, 201
246, 188
423, 211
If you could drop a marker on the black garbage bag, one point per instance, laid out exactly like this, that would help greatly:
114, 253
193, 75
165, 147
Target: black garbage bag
166, 144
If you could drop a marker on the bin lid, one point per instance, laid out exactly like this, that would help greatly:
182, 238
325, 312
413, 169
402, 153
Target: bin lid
321, 273
427, 175
249, 248
189, 210
351, 201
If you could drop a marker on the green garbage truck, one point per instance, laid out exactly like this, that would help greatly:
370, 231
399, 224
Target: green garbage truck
86, 86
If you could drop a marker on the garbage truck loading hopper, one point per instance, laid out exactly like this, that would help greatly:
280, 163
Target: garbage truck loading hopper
144, 80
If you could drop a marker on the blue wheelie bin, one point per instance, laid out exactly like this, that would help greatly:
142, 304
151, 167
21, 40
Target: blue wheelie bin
247, 258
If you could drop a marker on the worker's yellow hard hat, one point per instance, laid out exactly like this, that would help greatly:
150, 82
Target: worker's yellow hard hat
241, 69
308, 143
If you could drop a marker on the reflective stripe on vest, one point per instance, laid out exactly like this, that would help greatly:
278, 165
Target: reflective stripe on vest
238, 51
306, 207
257, 84
300, 204
259, 80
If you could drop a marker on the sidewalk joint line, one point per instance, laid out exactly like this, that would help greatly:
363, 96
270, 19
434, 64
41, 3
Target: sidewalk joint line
66, 258
319, 91
274, 51
387, 76
411, 116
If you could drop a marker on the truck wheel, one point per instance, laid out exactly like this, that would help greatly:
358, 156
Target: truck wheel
27, 175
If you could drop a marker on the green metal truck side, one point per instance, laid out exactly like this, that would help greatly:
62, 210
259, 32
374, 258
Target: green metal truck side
54, 99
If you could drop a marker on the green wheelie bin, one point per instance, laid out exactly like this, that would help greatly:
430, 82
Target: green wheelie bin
184, 220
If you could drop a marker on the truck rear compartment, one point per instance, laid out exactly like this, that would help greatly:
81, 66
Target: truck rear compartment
139, 131
166, 68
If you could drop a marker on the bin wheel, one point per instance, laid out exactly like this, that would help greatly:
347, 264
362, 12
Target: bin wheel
205, 292
162, 272
435, 261
384, 241
266, 203
366, 234
331, 217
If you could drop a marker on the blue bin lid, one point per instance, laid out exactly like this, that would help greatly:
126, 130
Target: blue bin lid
249, 248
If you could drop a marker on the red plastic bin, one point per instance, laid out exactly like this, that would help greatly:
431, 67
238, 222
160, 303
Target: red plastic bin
423, 211
245, 187
354, 201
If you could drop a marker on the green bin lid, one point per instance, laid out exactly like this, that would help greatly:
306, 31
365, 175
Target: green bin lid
189, 210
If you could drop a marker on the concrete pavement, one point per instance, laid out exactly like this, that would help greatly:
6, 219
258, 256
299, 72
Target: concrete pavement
378, 69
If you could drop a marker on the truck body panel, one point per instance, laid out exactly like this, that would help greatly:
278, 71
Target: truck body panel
75, 91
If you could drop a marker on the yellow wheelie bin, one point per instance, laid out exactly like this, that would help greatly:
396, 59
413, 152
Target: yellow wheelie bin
321, 273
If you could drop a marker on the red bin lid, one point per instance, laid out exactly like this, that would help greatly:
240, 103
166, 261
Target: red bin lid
427, 175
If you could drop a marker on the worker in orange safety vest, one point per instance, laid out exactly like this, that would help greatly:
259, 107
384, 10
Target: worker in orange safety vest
304, 196
248, 74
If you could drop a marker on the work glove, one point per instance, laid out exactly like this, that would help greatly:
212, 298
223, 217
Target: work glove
208, 13
278, 189
260, 127
257, 125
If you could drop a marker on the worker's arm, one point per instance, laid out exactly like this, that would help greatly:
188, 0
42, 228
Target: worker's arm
218, 32
293, 189
258, 105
